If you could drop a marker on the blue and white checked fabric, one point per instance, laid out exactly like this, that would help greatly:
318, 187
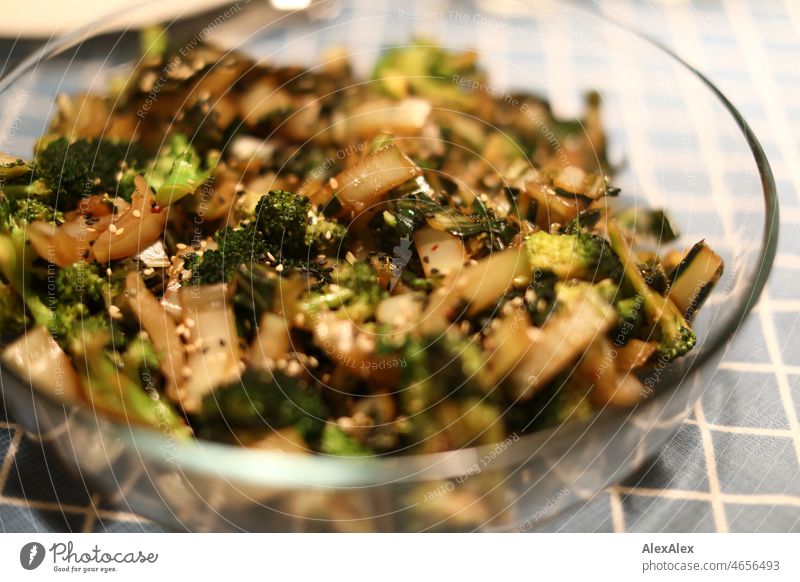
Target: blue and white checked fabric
734, 465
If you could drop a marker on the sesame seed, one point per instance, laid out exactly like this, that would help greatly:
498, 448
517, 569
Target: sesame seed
279, 268
148, 271
137, 213
112, 228
181, 247
333, 183
350, 258
109, 272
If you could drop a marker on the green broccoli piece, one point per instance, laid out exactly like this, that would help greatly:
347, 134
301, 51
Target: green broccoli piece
676, 337
325, 235
655, 224
16, 260
32, 209
284, 226
336, 442
113, 383
12, 167
541, 299
433, 368
177, 171
82, 282
13, 318
72, 170
353, 292
262, 399
235, 247
421, 68
631, 320
582, 256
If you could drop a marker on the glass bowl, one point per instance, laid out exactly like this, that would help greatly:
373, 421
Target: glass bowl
680, 144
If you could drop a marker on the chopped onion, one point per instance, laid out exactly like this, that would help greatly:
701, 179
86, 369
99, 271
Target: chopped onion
213, 344
39, 359
162, 331
406, 117
363, 184
271, 343
134, 229
566, 335
441, 253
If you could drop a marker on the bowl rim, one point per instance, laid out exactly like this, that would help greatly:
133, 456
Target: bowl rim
275, 469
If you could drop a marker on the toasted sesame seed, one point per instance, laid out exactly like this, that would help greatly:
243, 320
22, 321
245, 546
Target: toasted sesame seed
181, 247
333, 183
350, 258
137, 213
112, 228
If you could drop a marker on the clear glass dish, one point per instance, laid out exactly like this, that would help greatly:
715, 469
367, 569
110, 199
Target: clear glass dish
681, 145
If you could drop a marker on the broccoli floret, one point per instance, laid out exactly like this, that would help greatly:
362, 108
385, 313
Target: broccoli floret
353, 292
675, 336
235, 247
31, 209
283, 220
13, 318
15, 213
336, 442
81, 282
284, 226
83, 167
262, 399
582, 256
325, 235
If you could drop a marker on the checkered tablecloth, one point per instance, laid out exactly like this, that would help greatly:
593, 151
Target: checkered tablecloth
734, 465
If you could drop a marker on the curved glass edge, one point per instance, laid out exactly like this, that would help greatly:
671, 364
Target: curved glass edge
207, 457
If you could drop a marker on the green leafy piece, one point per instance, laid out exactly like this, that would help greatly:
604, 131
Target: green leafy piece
177, 171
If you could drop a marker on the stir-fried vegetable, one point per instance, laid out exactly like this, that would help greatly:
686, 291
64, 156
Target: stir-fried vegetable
300, 261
